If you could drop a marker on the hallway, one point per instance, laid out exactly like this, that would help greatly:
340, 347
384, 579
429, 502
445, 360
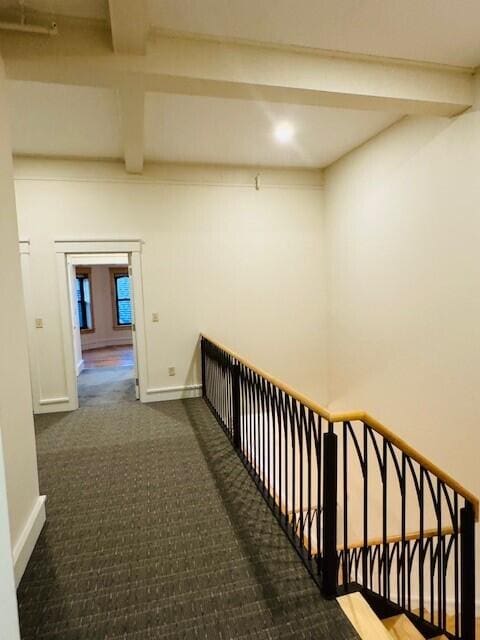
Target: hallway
155, 530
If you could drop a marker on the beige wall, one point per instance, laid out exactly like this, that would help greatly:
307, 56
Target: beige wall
16, 423
245, 266
104, 334
403, 227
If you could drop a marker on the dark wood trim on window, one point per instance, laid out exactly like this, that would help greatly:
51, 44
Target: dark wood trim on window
117, 271
86, 272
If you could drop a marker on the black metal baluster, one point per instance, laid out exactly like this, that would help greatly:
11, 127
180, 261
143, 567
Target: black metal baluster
317, 435
309, 476
346, 557
280, 472
285, 428
203, 365
318, 466
258, 454
249, 414
385, 558
403, 490
254, 422
439, 555
269, 438
421, 550
467, 550
329, 562
243, 409
293, 422
365, 506
455, 560
300, 449
432, 581
264, 469
237, 438
274, 441
252, 432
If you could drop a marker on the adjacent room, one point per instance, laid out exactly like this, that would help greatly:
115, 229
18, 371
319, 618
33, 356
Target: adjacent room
102, 330
240, 348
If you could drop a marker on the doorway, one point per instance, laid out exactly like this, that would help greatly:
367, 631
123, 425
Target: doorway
102, 323
103, 320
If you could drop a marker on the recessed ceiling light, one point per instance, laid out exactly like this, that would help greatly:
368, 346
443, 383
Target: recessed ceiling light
284, 132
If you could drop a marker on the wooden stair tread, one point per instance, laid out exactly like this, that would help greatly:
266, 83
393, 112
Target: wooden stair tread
401, 628
363, 619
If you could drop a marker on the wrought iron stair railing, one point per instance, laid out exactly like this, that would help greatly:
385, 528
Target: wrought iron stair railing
331, 479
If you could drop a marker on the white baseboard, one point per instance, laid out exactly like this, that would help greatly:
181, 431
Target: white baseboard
173, 393
28, 538
112, 342
80, 367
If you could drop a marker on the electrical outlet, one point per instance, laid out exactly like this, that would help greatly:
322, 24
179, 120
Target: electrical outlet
39, 323
171, 371
155, 317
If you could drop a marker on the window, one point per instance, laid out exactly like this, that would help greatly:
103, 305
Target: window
122, 306
84, 300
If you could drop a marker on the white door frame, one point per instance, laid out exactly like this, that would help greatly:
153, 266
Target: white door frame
133, 247
32, 349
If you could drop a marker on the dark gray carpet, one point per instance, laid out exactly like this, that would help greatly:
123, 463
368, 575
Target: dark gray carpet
105, 385
155, 530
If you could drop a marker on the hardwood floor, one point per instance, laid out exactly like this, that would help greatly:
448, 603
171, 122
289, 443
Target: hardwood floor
119, 356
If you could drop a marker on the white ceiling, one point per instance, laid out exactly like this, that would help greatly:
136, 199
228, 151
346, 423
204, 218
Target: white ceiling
441, 31
58, 120
96, 9
214, 130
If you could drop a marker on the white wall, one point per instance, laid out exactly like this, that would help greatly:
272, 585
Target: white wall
104, 334
16, 423
9, 629
403, 227
245, 266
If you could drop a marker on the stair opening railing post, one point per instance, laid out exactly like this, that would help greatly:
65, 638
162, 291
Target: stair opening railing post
467, 571
329, 552
237, 440
203, 362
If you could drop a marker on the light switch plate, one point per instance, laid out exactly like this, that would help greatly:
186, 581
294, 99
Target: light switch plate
39, 323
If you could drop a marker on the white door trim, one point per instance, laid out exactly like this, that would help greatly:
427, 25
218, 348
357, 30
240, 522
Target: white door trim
98, 246
24, 246
62, 249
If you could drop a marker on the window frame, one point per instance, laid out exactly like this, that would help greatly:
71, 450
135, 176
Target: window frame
85, 273
114, 273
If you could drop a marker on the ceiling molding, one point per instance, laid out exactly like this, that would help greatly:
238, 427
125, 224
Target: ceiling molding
159, 32
61, 170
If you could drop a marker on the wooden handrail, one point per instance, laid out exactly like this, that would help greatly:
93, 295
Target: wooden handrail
413, 535
362, 416
375, 542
